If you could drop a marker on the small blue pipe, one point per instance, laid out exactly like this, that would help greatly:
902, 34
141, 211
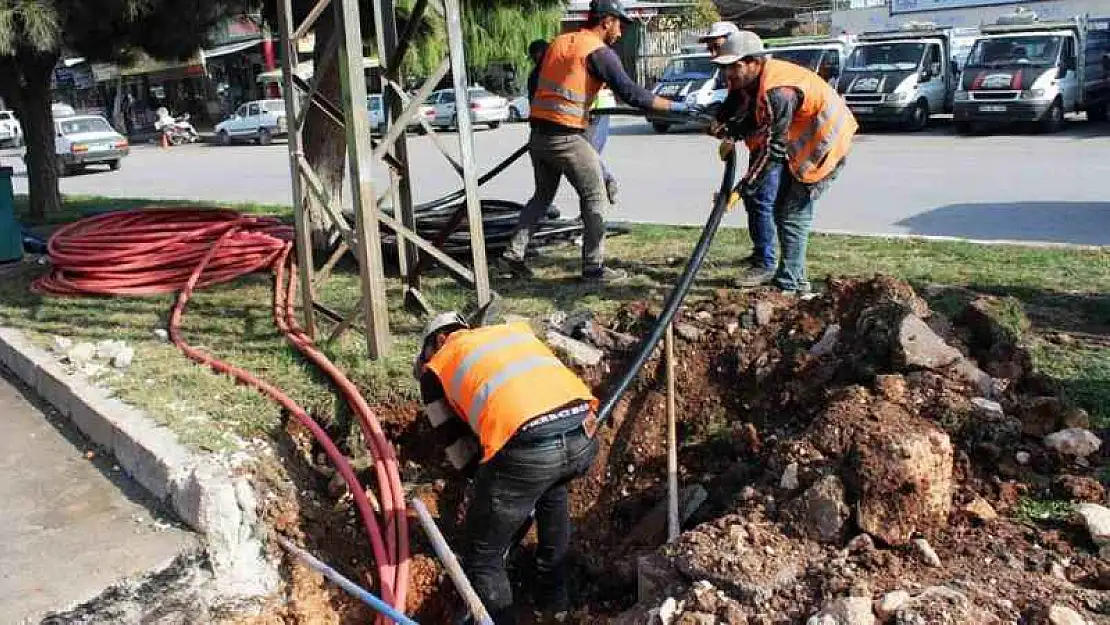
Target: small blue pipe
346, 584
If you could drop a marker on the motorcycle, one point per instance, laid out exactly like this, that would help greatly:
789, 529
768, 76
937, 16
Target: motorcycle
176, 130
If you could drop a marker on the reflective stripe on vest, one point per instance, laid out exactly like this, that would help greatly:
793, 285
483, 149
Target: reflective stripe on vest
566, 89
820, 135
499, 377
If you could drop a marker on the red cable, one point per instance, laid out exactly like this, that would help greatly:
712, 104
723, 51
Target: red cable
154, 251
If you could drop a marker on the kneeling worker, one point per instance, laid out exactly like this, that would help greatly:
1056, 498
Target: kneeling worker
574, 68
799, 135
534, 419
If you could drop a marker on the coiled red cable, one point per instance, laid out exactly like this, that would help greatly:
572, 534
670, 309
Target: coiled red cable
153, 251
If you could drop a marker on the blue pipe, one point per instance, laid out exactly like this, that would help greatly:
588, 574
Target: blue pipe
346, 584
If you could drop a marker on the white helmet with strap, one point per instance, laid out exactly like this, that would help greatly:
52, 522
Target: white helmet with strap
439, 323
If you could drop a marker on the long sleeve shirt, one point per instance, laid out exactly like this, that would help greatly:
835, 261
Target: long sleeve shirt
605, 65
738, 113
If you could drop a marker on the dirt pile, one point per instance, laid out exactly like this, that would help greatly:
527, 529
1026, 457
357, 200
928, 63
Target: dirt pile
852, 445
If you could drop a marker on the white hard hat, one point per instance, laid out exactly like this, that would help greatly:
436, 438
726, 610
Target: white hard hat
439, 323
739, 46
719, 29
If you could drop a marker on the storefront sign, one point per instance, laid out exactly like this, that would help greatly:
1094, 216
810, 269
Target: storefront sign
918, 6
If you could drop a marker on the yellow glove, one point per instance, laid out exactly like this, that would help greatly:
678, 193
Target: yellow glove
733, 198
725, 149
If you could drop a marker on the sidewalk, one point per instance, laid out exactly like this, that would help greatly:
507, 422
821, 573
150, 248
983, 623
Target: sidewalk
72, 523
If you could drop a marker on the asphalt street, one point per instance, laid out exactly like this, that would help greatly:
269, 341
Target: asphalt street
1011, 185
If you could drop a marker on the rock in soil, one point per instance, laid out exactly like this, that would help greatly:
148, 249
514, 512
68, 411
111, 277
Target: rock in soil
1063, 615
887, 606
576, 352
926, 552
820, 511
940, 604
846, 611
1097, 520
981, 510
1073, 442
789, 480
1041, 416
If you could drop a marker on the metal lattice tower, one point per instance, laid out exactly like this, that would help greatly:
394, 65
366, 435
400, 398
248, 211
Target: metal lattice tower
346, 48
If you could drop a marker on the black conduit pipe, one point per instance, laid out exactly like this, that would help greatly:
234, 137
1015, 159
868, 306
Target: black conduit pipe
674, 300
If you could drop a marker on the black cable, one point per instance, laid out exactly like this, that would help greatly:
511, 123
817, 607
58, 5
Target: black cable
670, 307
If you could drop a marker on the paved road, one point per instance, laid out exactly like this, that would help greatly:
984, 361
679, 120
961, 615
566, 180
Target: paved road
1010, 186
70, 526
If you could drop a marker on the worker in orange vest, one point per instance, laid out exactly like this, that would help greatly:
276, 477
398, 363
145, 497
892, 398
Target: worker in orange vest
799, 132
574, 68
534, 422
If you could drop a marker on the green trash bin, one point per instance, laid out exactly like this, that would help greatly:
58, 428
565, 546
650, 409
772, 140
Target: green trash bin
11, 239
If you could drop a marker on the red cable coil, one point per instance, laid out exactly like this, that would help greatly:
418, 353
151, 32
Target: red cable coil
155, 251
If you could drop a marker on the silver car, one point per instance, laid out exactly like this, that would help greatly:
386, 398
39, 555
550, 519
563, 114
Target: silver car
84, 140
485, 108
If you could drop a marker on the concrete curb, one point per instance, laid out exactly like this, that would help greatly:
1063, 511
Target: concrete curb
200, 489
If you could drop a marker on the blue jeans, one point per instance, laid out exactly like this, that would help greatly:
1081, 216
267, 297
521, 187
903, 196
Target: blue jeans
759, 202
598, 134
793, 220
525, 475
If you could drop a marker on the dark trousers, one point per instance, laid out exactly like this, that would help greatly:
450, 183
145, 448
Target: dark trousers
522, 477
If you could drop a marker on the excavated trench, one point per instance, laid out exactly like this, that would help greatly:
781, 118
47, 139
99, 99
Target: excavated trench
827, 434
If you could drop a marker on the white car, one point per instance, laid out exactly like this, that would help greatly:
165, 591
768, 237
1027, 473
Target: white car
377, 116
11, 133
260, 121
485, 108
84, 140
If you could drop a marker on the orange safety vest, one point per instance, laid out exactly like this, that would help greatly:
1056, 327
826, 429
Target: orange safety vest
500, 377
566, 88
821, 134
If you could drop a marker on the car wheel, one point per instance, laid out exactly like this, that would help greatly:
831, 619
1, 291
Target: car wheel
113, 165
514, 114
178, 139
264, 137
660, 127
919, 116
1053, 120
223, 138
454, 123
494, 125
964, 128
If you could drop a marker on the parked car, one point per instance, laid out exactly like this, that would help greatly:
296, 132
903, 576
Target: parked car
519, 109
485, 108
11, 133
377, 115
260, 120
83, 140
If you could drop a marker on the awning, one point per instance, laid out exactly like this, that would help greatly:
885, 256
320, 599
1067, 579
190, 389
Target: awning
304, 70
230, 48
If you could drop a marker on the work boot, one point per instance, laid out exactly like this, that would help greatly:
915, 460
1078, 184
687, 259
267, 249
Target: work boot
611, 190
751, 260
515, 266
605, 275
756, 276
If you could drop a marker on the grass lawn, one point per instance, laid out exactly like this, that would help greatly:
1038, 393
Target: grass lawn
1062, 290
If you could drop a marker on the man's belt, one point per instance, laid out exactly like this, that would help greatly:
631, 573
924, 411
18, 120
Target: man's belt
587, 423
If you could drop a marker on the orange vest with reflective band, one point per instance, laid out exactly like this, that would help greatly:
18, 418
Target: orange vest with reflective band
500, 377
566, 88
821, 134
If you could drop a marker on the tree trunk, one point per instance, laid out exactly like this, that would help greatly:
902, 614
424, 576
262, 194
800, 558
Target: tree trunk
38, 132
325, 143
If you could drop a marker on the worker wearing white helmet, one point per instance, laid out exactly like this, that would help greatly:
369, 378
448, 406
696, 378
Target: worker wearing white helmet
534, 422
716, 36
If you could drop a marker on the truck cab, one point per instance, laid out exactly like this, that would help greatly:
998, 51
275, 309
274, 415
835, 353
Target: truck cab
822, 55
691, 78
1024, 70
900, 77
